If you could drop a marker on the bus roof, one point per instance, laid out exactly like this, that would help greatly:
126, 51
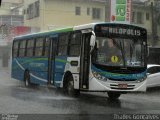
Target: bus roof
45, 33
91, 25
79, 27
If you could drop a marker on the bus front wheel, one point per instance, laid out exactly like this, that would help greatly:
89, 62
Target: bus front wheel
70, 88
113, 95
27, 79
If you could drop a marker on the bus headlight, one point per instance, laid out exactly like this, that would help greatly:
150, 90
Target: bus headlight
142, 79
98, 76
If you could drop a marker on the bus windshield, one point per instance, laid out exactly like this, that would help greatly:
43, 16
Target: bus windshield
119, 52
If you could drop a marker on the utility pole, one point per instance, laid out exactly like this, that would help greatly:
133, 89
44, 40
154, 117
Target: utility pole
152, 16
154, 24
107, 10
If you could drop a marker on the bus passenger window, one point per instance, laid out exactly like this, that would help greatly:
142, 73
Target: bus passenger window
62, 50
74, 50
39, 46
46, 49
15, 49
74, 47
63, 44
30, 47
22, 48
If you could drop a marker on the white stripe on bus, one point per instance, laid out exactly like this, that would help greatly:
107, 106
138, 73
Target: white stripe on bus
41, 79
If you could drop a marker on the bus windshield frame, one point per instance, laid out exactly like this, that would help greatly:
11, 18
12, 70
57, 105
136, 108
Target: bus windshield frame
122, 36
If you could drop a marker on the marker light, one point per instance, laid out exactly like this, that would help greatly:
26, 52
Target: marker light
98, 76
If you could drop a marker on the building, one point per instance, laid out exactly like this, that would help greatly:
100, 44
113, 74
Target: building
147, 15
155, 15
7, 5
141, 16
51, 14
8, 21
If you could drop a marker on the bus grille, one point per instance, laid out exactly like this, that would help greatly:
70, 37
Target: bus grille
122, 79
115, 87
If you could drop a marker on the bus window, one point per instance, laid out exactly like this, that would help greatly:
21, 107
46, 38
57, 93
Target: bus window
74, 48
22, 48
63, 44
39, 46
30, 47
46, 49
15, 49
62, 50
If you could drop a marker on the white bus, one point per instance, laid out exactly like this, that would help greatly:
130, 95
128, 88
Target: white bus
97, 57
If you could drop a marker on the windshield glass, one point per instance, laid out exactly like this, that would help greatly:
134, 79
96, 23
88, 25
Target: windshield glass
119, 52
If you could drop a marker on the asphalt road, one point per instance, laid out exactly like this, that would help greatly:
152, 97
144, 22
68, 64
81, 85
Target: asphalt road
16, 99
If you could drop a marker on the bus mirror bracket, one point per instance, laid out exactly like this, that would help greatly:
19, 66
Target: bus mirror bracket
147, 51
92, 40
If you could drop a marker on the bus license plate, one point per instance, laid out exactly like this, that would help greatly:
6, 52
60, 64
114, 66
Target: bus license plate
122, 85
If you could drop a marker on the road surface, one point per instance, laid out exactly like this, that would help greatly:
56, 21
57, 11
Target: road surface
15, 98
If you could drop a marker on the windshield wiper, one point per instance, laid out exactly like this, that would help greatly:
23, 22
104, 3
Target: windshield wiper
123, 53
131, 52
120, 46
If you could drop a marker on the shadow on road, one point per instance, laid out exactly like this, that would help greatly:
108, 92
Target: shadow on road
153, 90
100, 101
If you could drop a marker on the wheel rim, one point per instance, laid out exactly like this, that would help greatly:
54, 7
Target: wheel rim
70, 87
27, 79
26, 82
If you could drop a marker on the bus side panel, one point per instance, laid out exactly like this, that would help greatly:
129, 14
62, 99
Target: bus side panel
73, 65
38, 69
38, 77
17, 70
60, 63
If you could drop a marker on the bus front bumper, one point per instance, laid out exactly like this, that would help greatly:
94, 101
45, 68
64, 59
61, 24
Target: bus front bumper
119, 86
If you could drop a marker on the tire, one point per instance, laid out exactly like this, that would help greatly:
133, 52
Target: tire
113, 95
27, 82
69, 89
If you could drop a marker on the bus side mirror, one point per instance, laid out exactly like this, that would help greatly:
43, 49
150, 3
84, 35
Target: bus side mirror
147, 51
92, 40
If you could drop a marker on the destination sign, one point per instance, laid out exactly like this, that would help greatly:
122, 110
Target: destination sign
119, 30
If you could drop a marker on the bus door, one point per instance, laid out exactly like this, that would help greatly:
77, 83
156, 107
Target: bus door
85, 61
51, 59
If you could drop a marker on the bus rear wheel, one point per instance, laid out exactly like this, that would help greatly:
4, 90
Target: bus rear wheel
27, 79
70, 88
113, 95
